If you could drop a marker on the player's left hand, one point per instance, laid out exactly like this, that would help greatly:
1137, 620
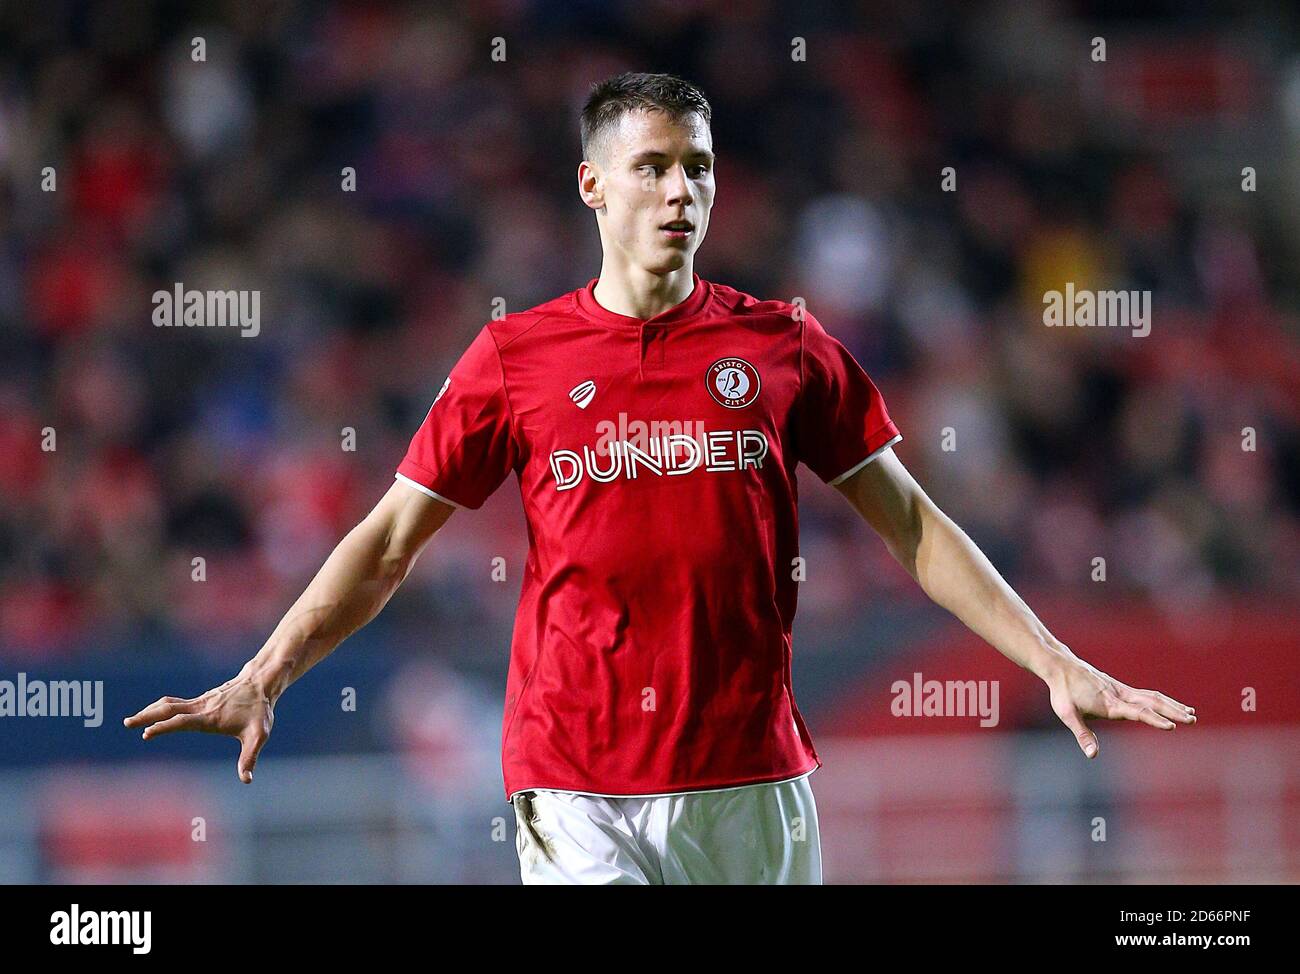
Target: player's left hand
1080, 690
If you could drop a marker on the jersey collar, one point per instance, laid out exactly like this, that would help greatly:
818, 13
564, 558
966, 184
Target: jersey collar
693, 305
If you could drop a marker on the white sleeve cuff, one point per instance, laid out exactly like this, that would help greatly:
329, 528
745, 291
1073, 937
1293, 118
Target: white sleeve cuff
425, 490
858, 466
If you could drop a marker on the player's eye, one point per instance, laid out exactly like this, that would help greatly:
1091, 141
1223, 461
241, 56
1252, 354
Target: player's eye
700, 169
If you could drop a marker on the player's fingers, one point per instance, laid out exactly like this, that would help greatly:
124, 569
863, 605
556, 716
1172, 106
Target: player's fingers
250, 746
178, 723
1148, 715
160, 709
1123, 710
1167, 708
1087, 739
1173, 704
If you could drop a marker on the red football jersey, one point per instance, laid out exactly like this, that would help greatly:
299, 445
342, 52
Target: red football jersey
656, 462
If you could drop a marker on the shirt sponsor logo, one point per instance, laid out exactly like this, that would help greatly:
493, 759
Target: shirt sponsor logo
732, 382
715, 451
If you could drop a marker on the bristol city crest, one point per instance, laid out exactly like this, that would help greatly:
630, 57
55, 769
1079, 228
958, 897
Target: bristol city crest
732, 382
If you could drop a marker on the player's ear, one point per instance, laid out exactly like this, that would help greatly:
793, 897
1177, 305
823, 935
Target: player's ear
591, 184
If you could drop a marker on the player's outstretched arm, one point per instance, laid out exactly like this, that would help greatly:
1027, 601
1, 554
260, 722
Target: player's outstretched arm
355, 582
958, 576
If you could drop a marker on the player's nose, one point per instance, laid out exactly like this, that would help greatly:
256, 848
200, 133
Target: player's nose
678, 186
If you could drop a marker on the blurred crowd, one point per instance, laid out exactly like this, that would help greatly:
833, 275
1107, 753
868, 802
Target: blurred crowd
127, 451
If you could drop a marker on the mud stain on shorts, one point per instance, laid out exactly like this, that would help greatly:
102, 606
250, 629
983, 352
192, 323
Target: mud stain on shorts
526, 816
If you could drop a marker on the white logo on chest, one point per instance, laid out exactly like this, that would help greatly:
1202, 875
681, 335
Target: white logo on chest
583, 393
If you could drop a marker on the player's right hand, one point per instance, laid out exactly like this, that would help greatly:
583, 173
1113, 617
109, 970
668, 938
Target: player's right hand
238, 708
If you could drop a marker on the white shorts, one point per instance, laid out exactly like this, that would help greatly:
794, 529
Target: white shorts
750, 835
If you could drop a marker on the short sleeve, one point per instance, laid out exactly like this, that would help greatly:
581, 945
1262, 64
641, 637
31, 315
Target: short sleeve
465, 448
842, 421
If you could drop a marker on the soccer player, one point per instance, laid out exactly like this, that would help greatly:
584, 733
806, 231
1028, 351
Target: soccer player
654, 421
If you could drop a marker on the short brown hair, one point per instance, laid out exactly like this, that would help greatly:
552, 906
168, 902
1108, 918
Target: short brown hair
613, 98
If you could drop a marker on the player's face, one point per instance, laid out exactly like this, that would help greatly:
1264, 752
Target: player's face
659, 172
